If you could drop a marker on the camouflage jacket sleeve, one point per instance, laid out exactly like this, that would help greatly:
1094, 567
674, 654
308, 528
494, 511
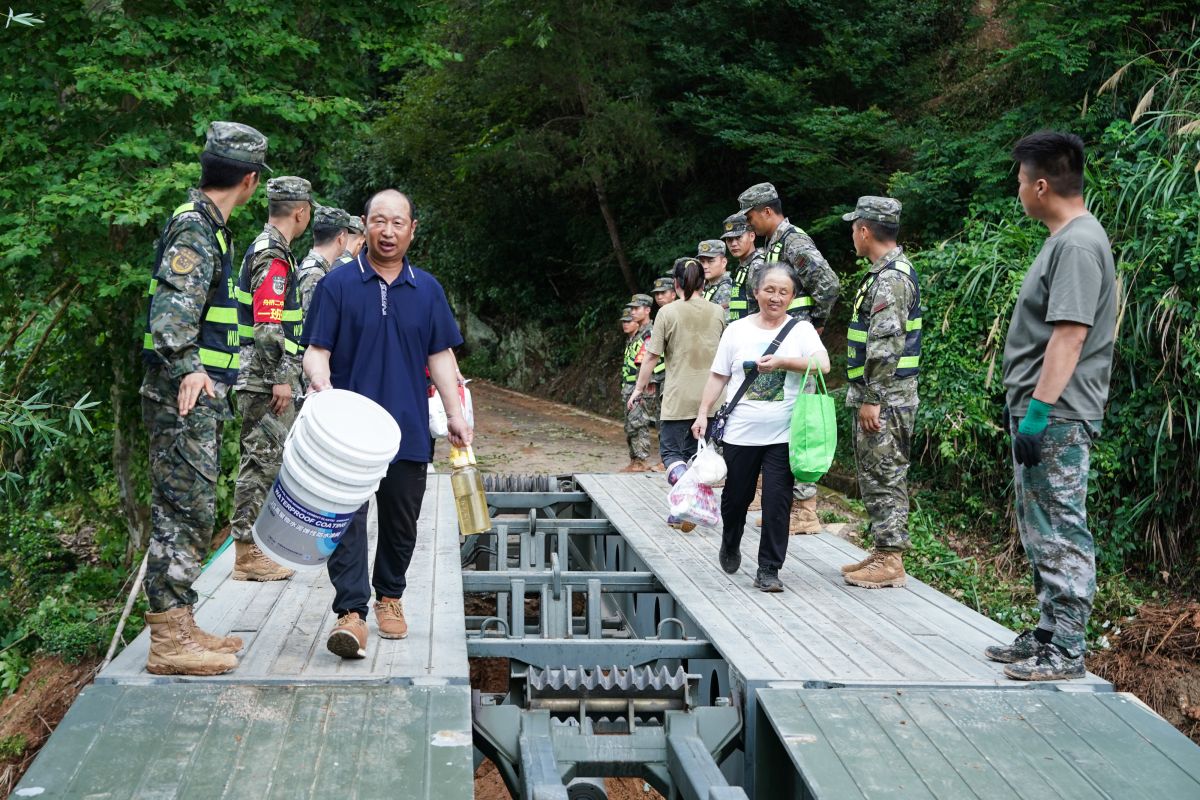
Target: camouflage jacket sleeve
722, 293
815, 276
308, 279
185, 273
890, 300
271, 359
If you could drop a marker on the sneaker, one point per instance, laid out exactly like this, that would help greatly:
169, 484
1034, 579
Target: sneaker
767, 579
1051, 663
883, 569
730, 559
1023, 647
349, 637
389, 617
677, 524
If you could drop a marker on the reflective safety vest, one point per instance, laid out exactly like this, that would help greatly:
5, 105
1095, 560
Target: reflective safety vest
218, 339
739, 300
292, 320
800, 300
630, 366
860, 321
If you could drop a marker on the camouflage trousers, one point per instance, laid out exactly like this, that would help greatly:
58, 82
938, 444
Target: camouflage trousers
653, 404
882, 460
263, 435
1052, 521
184, 465
637, 426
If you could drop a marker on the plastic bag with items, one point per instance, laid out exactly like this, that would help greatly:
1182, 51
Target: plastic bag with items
708, 464
692, 501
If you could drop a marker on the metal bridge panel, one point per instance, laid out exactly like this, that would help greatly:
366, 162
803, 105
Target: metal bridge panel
960, 744
206, 742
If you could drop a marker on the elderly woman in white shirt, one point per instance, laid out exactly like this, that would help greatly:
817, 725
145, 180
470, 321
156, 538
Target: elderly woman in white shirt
757, 432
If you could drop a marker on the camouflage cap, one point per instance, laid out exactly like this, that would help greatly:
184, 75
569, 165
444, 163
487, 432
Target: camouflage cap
734, 226
626, 318
356, 226
757, 195
880, 209
710, 248
331, 217
641, 300
237, 142
289, 187
665, 284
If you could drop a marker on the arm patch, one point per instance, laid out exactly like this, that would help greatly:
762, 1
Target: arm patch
268, 300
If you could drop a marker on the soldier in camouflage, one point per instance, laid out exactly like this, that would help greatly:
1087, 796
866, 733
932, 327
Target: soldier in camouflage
664, 291
882, 358
269, 379
1057, 369
356, 237
637, 420
331, 229
191, 355
718, 286
739, 238
817, 289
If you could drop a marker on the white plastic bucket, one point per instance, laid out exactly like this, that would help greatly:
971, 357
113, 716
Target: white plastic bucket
335, 454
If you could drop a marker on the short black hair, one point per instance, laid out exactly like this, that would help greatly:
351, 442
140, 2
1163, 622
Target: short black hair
775, 205
883, 231
324, 234
218, 172
1057, 157
283, 208
412, 208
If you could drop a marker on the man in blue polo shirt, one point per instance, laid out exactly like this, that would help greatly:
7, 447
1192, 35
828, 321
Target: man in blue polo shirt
373, 327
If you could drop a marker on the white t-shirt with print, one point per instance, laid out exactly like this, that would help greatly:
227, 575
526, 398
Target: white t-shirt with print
764, 414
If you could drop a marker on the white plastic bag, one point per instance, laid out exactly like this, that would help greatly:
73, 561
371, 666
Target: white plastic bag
439, 427
692, 501
708, 465
468, 407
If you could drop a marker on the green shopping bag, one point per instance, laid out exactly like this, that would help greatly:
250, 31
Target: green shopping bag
814, 432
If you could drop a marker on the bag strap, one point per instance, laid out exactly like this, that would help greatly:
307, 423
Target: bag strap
820, 378
753, 376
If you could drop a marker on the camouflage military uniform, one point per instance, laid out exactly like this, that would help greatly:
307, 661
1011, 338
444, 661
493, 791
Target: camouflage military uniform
184, 450
638, 419
883, 302
751, 265
308, 274
814, 277
265, 363
720, 291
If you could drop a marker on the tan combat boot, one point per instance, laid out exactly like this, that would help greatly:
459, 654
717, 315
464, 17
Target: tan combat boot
174, 651
635, 465
210, 641
389, 617
807, 520
856, 566
252, 564
883, 569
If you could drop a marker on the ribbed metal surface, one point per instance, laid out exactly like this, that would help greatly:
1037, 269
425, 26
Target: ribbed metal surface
600, 681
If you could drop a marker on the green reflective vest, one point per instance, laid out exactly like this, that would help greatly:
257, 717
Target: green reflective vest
860, 322
773, 255
218, 339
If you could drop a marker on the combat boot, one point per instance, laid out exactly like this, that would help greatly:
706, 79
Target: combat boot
856, 566
806, 520
635, 465
252, 564
883, 569
1023, 647
1051, 663
210, 641
174, 651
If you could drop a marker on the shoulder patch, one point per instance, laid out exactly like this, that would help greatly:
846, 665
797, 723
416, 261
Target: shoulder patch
879, 307
184, 261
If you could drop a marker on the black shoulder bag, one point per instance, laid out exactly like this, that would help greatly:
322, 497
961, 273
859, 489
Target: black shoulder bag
716, 428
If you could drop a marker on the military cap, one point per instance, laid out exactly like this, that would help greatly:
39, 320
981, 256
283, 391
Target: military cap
641, 300
665, 284
710, 248
757, 195
331, 217
626, 318
289, 187
237, 142
356, 226
734, 226
879, 209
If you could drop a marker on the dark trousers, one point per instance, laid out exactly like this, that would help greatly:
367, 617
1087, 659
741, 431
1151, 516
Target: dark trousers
675, 440
399, 502
745, 463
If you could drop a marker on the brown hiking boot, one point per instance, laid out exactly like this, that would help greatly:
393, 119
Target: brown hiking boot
252, 564
174, 650
659, 467
636, 465
883, 569
856, 566
348, 638
210, 641
806, 520
389, 617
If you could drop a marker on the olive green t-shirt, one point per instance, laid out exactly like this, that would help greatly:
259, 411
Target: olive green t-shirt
687, 333
1073, 279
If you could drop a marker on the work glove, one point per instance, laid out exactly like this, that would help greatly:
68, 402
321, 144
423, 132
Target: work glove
1027, 444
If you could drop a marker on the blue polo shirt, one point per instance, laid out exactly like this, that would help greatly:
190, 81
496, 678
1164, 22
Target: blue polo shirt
380, 338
